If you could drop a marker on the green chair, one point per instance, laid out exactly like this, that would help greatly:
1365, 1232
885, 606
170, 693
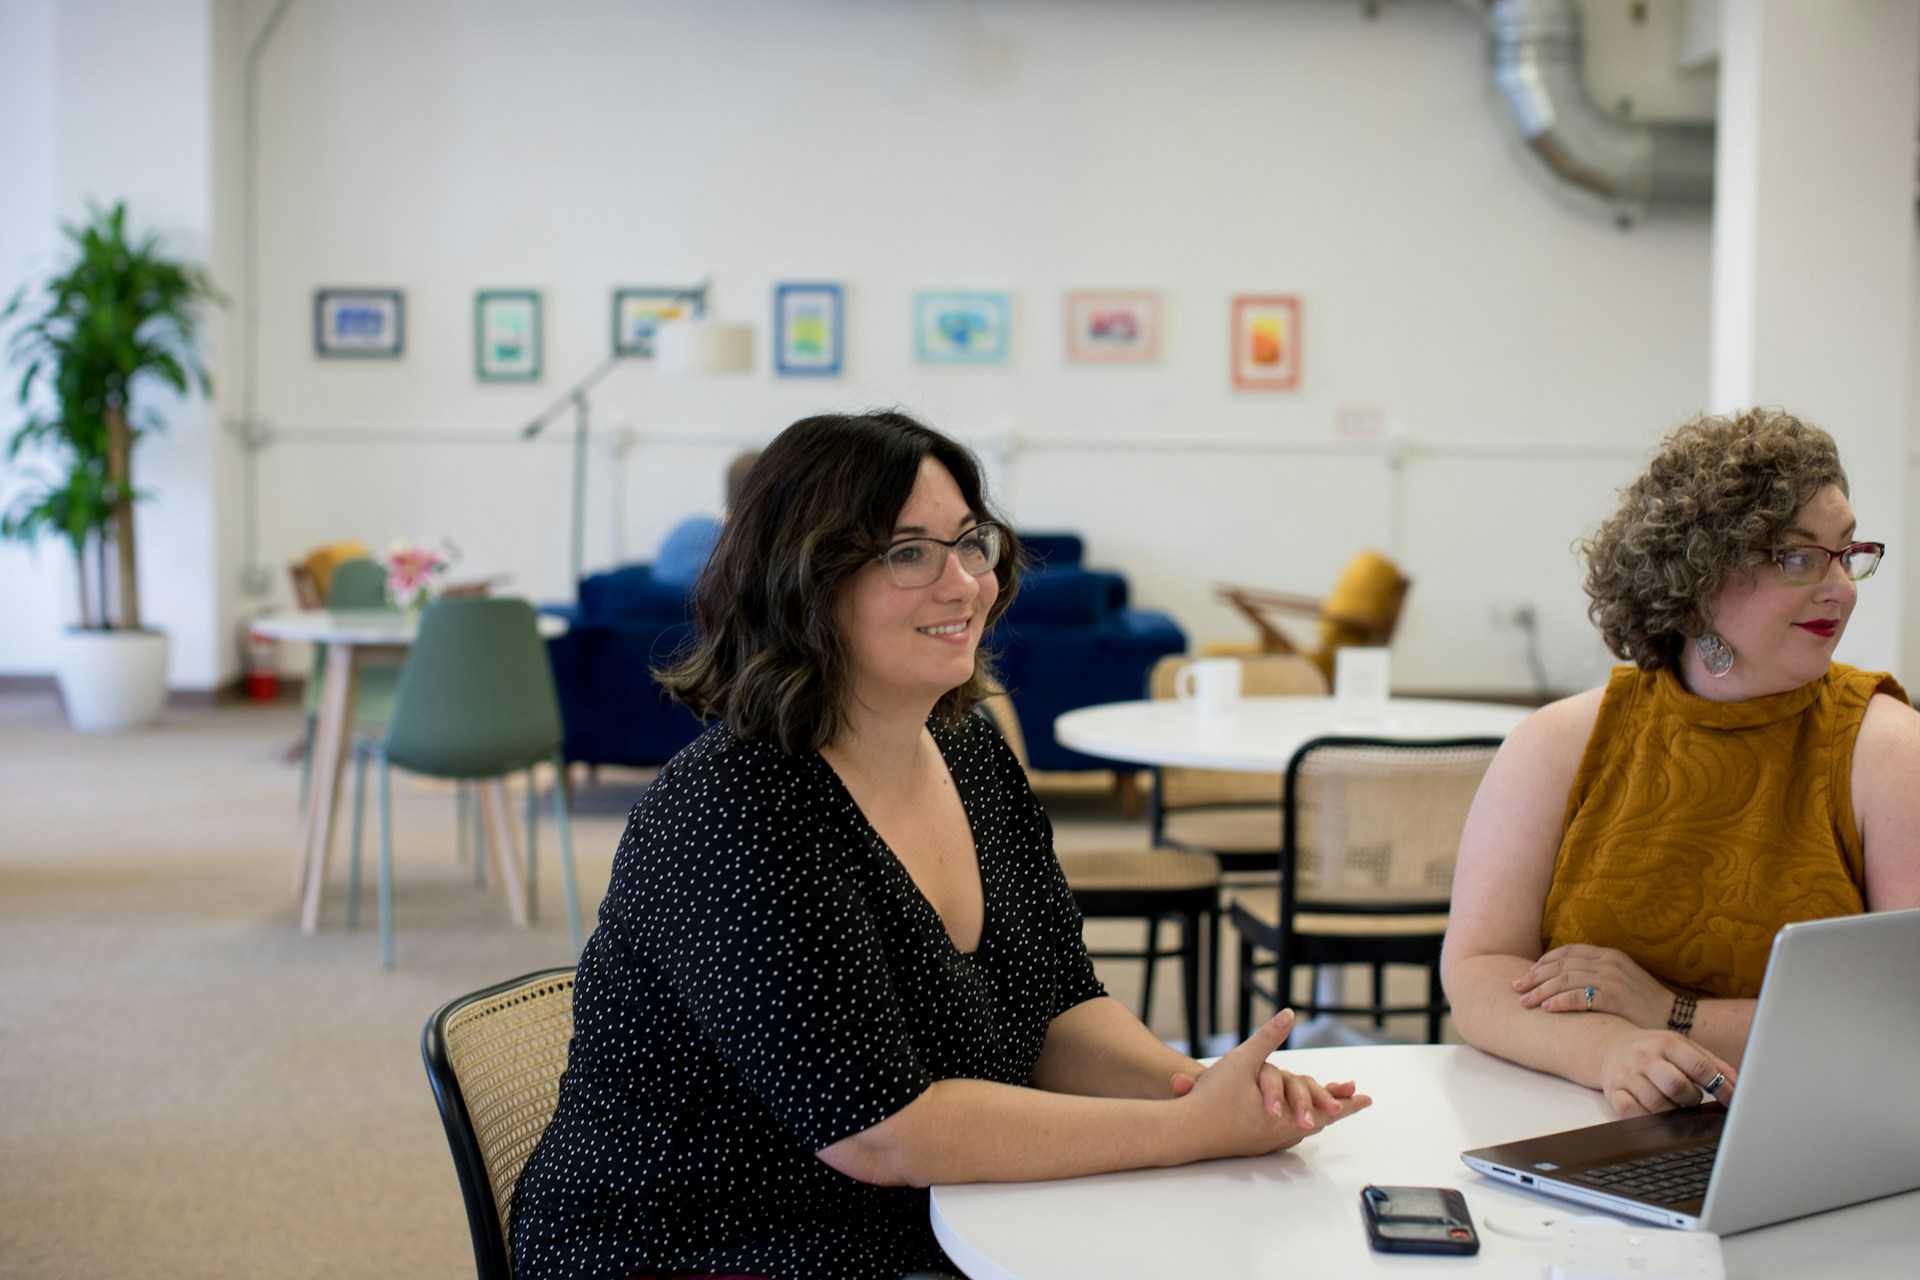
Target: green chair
356, 584
475, 703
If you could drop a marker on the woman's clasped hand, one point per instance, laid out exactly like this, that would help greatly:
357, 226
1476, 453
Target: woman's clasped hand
1243, 1105
1558, 983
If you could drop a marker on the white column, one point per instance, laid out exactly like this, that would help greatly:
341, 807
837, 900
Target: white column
1813, 261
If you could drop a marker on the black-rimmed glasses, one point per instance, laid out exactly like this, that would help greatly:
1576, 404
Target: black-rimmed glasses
1805, 564
919, 562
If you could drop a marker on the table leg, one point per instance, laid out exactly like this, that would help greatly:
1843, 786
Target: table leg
333, 728
506, 849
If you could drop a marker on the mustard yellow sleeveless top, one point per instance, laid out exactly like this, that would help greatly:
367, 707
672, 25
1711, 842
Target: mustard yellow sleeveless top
1696, 829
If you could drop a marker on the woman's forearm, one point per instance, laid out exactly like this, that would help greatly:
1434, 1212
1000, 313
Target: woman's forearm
1100, 1049
978, 1131
1723, 1027
1489, 1016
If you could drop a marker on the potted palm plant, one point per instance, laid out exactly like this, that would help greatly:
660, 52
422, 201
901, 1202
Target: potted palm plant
118, 318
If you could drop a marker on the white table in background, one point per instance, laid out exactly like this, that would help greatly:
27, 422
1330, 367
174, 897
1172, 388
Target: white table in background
1260, 735
352, 636
1297, 1214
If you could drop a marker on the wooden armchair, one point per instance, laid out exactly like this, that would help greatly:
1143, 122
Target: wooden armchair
1362, 609
312, 574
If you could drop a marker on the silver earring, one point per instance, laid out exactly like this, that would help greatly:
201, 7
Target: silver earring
1714, 653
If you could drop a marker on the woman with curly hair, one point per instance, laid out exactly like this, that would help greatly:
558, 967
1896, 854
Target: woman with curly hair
1634, 849
838, 961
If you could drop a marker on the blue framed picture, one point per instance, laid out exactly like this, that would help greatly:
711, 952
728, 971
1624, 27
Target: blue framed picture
962, 328
808, 329
359, 323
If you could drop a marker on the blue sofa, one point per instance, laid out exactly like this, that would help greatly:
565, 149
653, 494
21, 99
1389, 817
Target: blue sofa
1070, 640
627, 622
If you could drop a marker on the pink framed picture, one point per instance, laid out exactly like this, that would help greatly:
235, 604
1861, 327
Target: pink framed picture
1112, 326
1266, 342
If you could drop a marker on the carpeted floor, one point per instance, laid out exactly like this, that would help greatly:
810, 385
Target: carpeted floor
190, 1087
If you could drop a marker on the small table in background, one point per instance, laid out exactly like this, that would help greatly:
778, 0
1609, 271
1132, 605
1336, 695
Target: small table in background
352, 636
1261, 735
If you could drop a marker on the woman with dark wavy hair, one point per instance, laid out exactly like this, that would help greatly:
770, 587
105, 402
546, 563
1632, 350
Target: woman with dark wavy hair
1634, 849
838, 962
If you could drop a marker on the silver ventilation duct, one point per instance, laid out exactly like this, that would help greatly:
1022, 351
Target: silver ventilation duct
1537, 66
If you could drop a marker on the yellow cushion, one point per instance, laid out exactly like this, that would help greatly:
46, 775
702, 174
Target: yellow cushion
1361, 603
322, 561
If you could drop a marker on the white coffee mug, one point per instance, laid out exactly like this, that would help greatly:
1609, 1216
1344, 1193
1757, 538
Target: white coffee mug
1211, 684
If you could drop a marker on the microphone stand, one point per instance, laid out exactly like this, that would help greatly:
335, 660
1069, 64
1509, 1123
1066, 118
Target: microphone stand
577, 397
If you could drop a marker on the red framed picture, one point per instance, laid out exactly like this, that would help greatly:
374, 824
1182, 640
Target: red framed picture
1266, 342
1106, 326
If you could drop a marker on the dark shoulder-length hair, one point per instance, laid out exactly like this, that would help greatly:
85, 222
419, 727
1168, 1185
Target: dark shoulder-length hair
819, 504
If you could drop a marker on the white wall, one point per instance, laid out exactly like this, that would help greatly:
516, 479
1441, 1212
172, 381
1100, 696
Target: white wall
1202, 149
119, 97
38, 584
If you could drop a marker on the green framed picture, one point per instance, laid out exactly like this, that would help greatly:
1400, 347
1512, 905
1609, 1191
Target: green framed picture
506, 335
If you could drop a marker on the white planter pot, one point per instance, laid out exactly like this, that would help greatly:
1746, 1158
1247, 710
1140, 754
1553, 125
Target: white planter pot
113, 680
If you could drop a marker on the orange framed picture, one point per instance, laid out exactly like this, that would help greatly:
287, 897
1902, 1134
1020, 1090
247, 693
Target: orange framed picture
1266, 342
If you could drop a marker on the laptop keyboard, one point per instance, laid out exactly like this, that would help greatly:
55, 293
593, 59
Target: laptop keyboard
1671, 1176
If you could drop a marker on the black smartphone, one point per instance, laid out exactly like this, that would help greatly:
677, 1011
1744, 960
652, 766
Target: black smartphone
1418, 1220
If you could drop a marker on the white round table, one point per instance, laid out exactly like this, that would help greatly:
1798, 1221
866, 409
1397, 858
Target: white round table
351, 636
1260, 735
1297, 1214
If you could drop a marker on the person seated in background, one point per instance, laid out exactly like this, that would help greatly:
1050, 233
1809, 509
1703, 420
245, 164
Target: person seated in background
688, 545
1633, 849
838, 962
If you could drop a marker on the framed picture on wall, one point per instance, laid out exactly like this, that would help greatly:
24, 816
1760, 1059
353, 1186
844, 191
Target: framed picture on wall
639, 312
808, 329
1266, 342
1113, 327
506, 335
962, 328
359, 323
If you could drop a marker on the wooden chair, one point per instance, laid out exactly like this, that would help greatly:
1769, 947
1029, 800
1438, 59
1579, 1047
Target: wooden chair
1370, 833
1362, 609
1137, 884
494, 1059
312, 574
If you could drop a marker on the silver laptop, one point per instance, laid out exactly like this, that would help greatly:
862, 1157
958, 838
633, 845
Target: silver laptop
1825, 1113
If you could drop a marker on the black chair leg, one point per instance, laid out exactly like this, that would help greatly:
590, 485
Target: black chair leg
1244, 1009
1379, 995
1436, 1003
1190, 979
1151, 955
1213, 962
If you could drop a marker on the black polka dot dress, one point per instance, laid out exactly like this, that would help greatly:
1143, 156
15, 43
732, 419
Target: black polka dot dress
766, 979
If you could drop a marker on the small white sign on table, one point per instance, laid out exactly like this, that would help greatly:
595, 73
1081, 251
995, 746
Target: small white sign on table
1362, 681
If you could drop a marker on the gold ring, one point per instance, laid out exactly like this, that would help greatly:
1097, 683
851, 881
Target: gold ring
1589, 997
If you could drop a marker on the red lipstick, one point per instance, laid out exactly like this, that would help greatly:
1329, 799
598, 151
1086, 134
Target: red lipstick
1824, 627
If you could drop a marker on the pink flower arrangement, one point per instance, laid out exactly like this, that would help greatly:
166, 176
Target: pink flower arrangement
413, 573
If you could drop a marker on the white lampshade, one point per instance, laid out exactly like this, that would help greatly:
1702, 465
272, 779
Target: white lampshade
702, 346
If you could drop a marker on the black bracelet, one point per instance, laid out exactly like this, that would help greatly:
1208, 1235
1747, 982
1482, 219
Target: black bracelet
1681, 1019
